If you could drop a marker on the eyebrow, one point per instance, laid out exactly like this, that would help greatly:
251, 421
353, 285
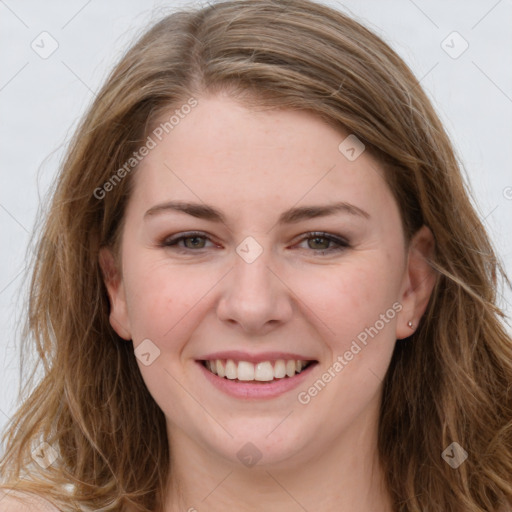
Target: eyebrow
291, 216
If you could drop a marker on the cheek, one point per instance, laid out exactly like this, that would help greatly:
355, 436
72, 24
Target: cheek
162, 300
358, 308
346, 298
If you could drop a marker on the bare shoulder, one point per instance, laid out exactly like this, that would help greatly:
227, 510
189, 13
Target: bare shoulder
14, 501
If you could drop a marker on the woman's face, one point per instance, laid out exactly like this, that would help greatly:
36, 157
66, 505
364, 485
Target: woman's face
250, 291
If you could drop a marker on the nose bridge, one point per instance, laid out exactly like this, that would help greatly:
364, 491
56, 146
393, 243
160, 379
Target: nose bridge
254, 296
251, 272
253, 280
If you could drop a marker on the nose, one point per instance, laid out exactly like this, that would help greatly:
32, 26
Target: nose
255, 298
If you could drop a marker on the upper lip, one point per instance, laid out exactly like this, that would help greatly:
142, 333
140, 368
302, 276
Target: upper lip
237, 355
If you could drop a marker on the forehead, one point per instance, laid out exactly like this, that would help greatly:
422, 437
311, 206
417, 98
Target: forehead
222, 151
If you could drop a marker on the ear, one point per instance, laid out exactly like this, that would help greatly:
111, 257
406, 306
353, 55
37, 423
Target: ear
119, 318
418, 282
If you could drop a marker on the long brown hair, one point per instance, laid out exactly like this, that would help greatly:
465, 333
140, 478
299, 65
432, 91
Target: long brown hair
448, 383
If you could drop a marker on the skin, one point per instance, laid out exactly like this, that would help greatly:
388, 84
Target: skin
252, 166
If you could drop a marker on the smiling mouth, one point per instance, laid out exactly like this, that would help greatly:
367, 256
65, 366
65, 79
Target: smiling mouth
264, 371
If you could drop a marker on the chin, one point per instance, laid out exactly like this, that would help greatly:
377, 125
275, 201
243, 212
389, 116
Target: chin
258, 447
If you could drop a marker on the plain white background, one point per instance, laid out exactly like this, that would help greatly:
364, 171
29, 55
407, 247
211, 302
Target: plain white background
41, 100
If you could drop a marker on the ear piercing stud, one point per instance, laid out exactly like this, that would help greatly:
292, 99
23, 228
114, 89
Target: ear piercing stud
410, 324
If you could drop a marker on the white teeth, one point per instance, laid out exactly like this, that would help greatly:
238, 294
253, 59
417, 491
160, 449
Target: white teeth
290, 368
280, 369
221, 369
264, 371
231, 370
245, 371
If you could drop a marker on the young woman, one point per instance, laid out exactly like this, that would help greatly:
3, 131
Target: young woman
261, 286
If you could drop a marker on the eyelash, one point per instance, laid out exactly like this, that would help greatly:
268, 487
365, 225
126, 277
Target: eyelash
172, 242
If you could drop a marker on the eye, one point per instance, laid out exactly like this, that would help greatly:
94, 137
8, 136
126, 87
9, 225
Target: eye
321, 242
192, 241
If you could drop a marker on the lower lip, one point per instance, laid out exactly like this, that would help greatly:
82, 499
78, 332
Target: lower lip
249, 389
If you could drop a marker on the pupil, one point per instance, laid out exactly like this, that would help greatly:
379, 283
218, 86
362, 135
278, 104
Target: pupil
316, 239
197, 240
